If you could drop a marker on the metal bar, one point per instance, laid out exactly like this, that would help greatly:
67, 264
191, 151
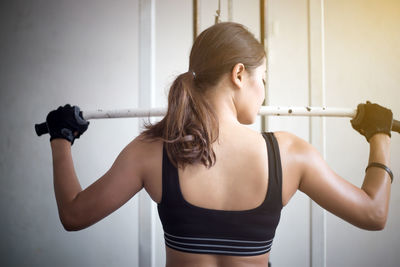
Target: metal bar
317, 97
218, 13
263, 37
196, 19
262, 21
123, 113
264, 111
230, 10
147, 43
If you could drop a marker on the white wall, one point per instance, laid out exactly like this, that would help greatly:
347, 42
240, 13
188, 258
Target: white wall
53, 53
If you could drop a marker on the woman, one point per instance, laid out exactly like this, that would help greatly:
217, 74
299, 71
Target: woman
219, 185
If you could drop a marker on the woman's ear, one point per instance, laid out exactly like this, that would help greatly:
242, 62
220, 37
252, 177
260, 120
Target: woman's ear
237, 75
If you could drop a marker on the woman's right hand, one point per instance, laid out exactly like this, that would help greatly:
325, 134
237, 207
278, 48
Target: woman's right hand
67, 123
372, 119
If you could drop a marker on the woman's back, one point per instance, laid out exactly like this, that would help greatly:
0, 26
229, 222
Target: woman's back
237, 182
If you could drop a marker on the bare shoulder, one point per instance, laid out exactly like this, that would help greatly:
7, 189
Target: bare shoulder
293, 152
289, 142
151, 163
297, 153
148, 152
147, 145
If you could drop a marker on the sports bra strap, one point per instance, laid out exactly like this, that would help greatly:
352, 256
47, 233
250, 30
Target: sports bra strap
274, 164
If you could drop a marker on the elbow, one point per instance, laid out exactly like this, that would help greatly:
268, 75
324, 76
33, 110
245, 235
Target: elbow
379, 224
70, 227
70, 223
377, 219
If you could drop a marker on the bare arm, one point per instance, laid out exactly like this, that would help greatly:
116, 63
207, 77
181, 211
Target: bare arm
66, 184
79, 209
365, 207
377, 182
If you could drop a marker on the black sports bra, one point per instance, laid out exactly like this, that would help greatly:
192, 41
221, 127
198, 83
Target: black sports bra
193, 229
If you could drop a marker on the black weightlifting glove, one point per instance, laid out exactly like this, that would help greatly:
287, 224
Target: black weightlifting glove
372, 119
67, 123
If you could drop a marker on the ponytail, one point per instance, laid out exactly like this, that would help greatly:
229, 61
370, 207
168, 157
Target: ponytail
190, 126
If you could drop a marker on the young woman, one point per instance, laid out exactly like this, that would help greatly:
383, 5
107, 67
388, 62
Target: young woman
219, 185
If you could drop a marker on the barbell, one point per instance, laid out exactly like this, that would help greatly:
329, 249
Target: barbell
264, 111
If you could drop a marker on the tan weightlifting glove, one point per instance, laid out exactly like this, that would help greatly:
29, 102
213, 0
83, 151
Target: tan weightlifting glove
372, 119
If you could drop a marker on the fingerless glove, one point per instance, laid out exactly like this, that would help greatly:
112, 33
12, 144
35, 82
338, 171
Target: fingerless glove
65, 122
372, 119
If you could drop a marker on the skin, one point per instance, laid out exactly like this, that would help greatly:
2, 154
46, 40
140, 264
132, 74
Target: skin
239, 179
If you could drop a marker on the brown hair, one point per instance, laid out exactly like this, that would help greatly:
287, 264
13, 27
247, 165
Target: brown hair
190, 126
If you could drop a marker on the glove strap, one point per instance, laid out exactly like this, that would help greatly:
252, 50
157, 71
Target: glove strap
382, 166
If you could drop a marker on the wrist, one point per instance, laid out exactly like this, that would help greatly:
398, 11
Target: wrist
380, 139
380, 149
59, 143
